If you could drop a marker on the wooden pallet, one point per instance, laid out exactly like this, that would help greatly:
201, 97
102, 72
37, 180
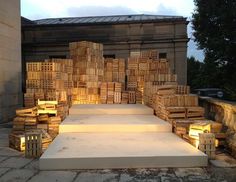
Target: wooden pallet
31, 112
175, 113
195, 112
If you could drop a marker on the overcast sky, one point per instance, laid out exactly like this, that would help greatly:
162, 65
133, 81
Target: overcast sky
39, 9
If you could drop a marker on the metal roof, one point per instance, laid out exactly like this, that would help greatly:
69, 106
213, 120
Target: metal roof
116, 19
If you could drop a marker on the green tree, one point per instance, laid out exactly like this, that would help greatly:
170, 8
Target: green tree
214, 22
194, 73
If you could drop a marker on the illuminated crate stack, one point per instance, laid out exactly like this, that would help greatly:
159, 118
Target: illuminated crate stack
111, 92
88, 71
114, 70
49, 80
172, 107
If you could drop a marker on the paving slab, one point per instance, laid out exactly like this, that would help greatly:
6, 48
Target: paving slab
97, 109
54, 176
98, 177
2, 171
114, 123
17, 175
15, 162
120, 150
2, 158
33, 165
6, 151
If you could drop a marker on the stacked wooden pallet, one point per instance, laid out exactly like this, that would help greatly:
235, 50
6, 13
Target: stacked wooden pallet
42, 118
147, 67
111, 92
114, 70
172, 107
190, 130
17, 139
88, 71
48, 80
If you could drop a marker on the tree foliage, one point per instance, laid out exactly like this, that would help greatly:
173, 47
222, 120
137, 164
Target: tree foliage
214, 22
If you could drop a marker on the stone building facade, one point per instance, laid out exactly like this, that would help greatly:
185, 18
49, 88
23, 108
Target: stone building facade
47, 38
10, 59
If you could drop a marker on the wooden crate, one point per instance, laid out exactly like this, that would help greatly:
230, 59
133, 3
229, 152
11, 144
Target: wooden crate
117, 97
118, 87
17, 141
29, 100
182, 123
197, 128
180, 131
182, 89
191, 100
132, 97
195, 112
19, 123
110, 86
139, 97
124, 97
53, 126
191, 140
31, 112
31, 121
33, 144
175, 113
207, 144
132, 86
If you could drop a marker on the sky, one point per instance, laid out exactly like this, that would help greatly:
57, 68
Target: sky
39, 9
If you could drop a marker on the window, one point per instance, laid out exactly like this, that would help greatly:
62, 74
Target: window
162, 55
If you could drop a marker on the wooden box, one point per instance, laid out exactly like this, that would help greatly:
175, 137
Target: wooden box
33, 144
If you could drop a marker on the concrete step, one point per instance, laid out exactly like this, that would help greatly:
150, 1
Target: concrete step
120, 150
98, 109
114, 123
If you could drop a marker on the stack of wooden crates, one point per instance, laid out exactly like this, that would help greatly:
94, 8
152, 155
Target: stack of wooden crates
50, 80
114, 71
88, 71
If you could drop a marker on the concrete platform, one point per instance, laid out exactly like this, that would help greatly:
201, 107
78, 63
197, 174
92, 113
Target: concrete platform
97, 109
114, 123
120, 150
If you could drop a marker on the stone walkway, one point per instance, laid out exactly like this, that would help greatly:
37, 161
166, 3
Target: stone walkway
15, 168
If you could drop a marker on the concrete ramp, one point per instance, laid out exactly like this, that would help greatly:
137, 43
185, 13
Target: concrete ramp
116, 150
117, 136
101, 109
114, 123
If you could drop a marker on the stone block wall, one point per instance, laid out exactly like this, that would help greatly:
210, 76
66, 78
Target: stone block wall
10, 59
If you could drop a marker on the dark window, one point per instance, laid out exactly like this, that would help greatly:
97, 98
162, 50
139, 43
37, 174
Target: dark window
58, 57
162, 55
110, 56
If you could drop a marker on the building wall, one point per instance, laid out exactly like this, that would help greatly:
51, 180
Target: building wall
10, 59
42, 42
